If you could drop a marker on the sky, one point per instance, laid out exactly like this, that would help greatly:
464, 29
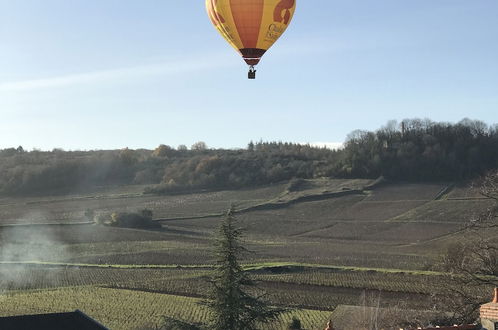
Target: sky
108, 74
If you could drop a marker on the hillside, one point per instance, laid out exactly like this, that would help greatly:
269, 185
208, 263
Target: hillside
415, 151
316, 243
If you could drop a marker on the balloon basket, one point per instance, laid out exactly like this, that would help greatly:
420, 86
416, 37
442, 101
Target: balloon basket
252, 73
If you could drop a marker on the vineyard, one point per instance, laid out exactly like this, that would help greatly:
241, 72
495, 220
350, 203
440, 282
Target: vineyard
309, 250
129, 309
71, 208
26, 289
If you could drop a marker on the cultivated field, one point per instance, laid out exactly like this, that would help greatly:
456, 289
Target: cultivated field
129, 309
314, 248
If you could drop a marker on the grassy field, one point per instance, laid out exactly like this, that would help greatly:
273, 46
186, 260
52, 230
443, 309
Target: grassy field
313, 248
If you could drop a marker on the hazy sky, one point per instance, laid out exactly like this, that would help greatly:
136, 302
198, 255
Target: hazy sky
98, 74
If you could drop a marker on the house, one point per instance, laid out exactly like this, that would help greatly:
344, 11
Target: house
347, 317
489, 314
453, 327
356, 317
76, 320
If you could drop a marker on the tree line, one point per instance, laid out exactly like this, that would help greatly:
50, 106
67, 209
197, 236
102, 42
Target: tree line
413, 150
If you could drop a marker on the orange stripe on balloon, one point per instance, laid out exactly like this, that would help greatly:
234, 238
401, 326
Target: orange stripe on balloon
248, 15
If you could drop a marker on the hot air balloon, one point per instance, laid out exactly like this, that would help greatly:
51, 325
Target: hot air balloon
251, 26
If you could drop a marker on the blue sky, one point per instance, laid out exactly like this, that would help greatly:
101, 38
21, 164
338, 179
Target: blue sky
100, 74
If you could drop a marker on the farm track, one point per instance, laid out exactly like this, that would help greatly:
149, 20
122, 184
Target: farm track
443, 194
434, 239
105, 266
468, 199
314, 230
249, 267
168, 292
73, 199
46, 224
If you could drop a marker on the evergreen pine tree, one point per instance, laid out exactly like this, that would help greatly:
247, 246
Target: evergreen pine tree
233, 308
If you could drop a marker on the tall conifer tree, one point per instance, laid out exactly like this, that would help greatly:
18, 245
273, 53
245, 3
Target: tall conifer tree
233, 308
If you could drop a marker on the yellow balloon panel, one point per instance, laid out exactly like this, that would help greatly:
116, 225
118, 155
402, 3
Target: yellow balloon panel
221, 16
251, 26
277, 16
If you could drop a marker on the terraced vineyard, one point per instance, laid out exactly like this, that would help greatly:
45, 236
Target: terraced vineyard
313, 248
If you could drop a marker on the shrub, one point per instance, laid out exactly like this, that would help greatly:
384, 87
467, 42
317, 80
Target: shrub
295, 324
89, 214
142, 219
102, 219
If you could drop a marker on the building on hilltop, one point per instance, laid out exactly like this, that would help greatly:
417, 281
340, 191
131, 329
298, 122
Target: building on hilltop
76, 320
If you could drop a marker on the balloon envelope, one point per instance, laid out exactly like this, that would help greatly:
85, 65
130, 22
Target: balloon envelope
251, 26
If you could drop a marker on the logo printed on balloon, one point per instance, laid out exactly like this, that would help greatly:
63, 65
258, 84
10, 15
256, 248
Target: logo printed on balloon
284, 5
216, 18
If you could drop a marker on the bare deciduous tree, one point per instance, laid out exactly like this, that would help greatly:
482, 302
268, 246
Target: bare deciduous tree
472, 264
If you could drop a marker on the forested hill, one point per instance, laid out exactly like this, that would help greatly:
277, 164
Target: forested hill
414, 150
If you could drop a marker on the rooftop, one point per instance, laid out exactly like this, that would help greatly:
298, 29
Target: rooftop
76, 320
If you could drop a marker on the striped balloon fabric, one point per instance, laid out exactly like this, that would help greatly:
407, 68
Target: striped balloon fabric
251, 26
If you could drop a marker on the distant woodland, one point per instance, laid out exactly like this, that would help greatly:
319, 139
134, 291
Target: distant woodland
413, 150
